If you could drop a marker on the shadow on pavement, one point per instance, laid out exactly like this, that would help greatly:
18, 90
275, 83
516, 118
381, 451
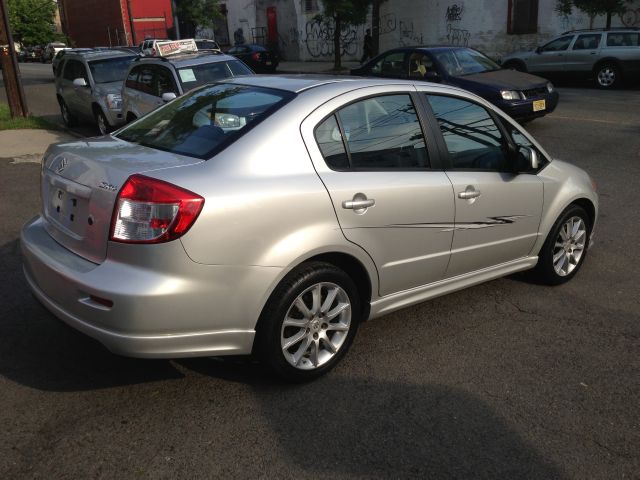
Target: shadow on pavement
385, 429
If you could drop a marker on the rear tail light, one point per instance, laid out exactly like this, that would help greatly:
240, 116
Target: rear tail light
152, 211
256, 56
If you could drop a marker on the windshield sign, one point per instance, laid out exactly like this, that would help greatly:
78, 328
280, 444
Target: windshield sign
110, 69
465, 61
205, 121
198, 75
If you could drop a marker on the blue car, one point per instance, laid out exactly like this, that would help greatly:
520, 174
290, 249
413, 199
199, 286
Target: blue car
521, 95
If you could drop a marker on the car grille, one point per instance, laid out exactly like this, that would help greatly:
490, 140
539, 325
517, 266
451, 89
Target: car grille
534, 92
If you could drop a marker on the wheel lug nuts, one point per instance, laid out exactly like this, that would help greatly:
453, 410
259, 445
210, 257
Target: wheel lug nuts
315, 336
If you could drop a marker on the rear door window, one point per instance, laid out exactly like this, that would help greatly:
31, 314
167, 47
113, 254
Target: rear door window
589, 41
377, 133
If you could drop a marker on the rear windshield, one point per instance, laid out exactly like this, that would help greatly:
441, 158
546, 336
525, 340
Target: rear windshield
198, 75
110, 69
205, 121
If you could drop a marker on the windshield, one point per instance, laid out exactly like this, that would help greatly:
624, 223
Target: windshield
465, 61
110, 69
198, 75
203, 122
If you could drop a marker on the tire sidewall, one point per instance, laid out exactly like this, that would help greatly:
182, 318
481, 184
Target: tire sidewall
545, 261
270, 324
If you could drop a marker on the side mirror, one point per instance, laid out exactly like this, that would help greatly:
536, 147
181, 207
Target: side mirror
530, 157
538, 49
80, 82
168, 96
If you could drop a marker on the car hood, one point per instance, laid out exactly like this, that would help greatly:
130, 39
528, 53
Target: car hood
106, 88
505, 80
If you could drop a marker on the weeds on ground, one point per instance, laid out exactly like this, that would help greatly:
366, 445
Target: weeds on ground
8, 123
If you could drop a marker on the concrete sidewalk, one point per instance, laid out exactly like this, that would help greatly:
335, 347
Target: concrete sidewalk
29, 145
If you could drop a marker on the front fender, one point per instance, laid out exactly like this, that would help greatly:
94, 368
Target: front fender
564, 184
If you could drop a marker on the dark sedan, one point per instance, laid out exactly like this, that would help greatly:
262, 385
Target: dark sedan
521, 95
259, 58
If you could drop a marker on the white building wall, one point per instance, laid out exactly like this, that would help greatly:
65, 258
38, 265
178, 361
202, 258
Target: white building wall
481, 24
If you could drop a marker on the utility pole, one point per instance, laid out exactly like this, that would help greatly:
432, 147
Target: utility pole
10, 71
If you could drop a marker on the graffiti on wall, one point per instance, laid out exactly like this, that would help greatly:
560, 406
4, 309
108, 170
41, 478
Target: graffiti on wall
454, 13
317, 37
455, 34
630, 18
403, 29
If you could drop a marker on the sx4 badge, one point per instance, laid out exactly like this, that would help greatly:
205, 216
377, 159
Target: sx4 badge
107, 186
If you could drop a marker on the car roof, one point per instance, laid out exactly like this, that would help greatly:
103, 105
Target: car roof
189, 59
299, 83
98, 54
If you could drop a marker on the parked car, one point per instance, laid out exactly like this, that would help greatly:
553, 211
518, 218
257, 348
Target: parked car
58, 58
206, 44
31, 54
274, 214
89, 86
259, 58
51, 50
147, 48
153, 81
522, 96
606, 56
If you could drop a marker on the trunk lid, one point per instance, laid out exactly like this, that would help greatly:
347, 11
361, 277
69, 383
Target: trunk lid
80, 184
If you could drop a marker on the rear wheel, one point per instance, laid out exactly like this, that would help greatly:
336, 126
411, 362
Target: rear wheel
565, 248
68, 119
309, 322
607, 75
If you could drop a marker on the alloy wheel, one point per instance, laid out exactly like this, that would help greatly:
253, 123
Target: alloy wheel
316, 326
569, 246
606, 76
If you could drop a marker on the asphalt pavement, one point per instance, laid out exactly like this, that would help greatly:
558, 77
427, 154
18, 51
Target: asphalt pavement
503, 380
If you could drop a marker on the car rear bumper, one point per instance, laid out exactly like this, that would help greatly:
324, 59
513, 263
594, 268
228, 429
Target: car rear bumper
188, 310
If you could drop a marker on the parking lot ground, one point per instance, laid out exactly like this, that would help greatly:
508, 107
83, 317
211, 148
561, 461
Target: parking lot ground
503, 380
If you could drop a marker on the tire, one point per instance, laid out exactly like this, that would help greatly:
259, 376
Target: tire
607, 76
562, 255
131, 117
68, 119
310, 343
515, 65
101, 122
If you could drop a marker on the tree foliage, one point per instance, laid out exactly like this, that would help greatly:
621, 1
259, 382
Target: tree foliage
196, 14
343, 13
593, 7
32, 21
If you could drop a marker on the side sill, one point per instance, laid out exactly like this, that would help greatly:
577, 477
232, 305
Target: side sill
406, 298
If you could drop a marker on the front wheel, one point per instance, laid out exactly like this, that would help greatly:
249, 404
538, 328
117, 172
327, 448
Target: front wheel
607, 76
565, 248
309, 322
102, 123
68, 119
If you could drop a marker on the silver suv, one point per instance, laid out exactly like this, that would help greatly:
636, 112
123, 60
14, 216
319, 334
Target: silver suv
152, 81
89, 85
605, 55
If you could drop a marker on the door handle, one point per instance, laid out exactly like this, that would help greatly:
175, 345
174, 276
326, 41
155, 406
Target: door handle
358, 204
469, 194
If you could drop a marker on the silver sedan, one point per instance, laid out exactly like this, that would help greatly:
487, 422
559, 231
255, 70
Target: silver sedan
274, 214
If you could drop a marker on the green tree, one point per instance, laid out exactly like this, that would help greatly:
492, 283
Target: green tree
593, 8
339, 14
32, 21
194, 14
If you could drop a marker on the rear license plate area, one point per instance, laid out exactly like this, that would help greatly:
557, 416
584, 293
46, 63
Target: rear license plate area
68, 210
